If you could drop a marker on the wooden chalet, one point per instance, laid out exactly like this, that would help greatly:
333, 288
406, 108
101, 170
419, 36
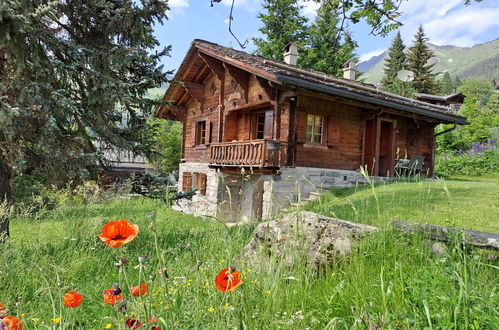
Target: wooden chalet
289, 130
452, 101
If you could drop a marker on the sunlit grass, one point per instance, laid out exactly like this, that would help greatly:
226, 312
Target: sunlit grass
391, 280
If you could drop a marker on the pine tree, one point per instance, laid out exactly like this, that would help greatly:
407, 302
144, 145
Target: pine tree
395, 61
457, 82
282, 24
326, 50
447, 84
419, 63
68, 70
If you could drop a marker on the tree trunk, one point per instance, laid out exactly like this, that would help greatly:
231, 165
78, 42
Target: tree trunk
5, 196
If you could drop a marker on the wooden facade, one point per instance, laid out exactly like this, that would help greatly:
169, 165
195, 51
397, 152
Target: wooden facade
239, 110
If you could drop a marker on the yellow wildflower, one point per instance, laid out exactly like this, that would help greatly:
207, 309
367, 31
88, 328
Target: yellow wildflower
222, 261
211, 309
23, 314
56, 320
109, 325
267, 292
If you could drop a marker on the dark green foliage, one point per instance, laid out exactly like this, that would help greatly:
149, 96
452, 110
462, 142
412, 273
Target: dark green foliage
326, 50
471, 165
282, 24
69, 70
168, 145
394, 62
483, 123
419, 62
447, 84
457, 82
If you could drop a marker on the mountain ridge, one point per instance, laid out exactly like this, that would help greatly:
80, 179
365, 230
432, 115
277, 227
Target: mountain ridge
480, 60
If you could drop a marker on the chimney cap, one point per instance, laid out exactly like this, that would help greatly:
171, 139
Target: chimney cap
350, 64
289, 46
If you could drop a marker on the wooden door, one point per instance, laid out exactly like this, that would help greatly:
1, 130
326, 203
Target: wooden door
386, 154
369, 156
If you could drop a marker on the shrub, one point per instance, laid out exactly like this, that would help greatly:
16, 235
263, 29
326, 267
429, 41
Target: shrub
481, 158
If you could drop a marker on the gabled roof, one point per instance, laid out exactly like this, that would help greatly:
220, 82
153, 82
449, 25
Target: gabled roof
285, 74
439, 98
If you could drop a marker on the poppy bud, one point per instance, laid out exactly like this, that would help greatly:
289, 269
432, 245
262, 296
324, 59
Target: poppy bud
152, 276
232, 268
123, 260
116, 289
164, 271
133, 323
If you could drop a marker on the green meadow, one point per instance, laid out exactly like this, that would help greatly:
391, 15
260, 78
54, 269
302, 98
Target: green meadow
391, 280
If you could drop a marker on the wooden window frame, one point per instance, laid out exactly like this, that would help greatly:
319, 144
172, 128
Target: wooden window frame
200, 139
313, 133
254, 125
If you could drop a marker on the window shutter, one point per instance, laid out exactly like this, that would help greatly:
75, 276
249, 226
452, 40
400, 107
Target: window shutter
208, 131
333, 131
301, 127
202, 179
269, 124
186, 181
191, 141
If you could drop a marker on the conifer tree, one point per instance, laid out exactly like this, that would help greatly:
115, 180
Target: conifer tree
418, 59
447, 84
282, 24
68, 71
457, 82
395, 61
326, 50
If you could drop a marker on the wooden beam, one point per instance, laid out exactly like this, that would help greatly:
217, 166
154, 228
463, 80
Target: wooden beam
216, 67
201, 73
241, 77
178, 112
446, 234
264, 84
195, 90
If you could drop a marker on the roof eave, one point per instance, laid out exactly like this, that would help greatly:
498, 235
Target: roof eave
447, 118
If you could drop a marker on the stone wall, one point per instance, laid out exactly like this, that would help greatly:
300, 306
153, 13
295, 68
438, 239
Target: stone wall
200, 205
246, 196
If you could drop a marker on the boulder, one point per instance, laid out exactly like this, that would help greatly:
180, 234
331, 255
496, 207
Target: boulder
303, 236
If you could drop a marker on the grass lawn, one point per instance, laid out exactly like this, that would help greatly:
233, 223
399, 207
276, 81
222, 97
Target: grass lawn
391, 280
468, 203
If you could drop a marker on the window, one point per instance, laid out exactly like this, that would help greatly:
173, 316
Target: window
259, 132
194, 181
201, 133
315, 126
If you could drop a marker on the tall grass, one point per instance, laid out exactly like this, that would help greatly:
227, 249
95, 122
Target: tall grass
391, 280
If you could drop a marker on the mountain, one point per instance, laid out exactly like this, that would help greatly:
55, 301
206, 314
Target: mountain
481, 60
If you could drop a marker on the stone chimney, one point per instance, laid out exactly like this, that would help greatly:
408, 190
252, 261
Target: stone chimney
291, 53
350, 69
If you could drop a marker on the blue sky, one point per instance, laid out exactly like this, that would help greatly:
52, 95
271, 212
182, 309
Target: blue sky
446, 22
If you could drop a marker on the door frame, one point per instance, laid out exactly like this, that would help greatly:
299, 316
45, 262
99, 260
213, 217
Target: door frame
377, 144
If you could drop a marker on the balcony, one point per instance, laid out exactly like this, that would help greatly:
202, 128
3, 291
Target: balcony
253, 153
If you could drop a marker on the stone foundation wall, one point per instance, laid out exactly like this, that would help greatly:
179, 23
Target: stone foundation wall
200, 205
245, 196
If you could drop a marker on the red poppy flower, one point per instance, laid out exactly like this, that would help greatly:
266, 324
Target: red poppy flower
228, 280
116, 233
154, 321
12, 323
136, 291
133, 323
111, 297
72, 299
2, 307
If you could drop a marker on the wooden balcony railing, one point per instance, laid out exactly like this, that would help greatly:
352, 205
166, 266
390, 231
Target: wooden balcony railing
259, 153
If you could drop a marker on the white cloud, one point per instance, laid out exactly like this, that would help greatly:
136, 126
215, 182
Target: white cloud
367, 56
309, 8
448, 22
178, 3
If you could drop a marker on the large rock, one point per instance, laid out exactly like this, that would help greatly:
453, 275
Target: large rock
303, 236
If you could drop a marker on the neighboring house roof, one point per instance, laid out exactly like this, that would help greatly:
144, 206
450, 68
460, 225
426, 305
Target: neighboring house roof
125, 161
447, 98
285, 74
